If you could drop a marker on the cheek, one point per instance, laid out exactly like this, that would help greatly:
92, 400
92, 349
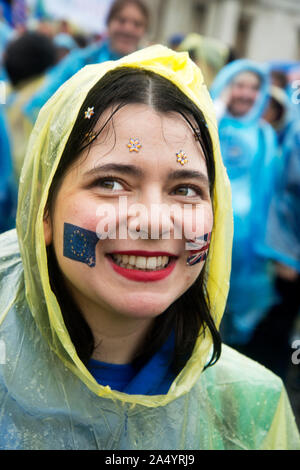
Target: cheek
197, 221
197, 244
76, 212
110, 220
189, 274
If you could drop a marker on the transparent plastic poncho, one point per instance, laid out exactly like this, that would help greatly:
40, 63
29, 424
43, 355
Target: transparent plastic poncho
48, 398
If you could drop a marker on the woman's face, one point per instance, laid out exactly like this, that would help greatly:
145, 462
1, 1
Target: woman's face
98, 197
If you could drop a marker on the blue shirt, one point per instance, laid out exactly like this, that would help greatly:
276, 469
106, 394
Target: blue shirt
154, 378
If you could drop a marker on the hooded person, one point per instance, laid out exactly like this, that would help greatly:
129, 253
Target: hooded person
282, 228
281, 241
281, 244
64, 44
127, 23
111, 342
279, 114
250, 154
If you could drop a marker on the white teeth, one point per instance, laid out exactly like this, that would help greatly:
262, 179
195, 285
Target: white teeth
131, 260
151, 263
141, 262
125, 259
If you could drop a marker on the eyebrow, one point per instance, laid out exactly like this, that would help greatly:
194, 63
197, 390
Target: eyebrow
133, 170
119, 167
188, 174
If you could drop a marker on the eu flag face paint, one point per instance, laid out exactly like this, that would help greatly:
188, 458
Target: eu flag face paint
80, 244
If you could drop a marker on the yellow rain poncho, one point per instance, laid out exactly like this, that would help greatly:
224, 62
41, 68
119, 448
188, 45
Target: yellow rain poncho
48, 398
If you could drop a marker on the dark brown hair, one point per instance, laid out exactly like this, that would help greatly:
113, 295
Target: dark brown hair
191, 311
118, 6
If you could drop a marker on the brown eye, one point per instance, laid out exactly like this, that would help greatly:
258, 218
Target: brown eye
186, 191
109, 184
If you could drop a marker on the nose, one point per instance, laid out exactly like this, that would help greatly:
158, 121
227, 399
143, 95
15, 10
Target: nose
151, 217
250, 92
128, 27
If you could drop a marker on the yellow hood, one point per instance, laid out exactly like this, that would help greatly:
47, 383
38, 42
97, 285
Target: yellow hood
46, 146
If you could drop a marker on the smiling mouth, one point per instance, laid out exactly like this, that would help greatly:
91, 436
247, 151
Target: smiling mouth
141, 263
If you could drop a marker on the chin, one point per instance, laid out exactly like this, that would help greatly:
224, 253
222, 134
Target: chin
144, 307
126, 50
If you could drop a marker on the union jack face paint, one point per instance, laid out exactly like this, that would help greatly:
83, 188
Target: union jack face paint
198, 249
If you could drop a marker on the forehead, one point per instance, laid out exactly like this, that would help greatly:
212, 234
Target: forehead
249, 78
161, 136
144, 120
129, 10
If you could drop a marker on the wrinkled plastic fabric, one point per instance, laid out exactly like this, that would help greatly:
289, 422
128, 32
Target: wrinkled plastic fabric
282, 240
250, 154
65, 41
48, 399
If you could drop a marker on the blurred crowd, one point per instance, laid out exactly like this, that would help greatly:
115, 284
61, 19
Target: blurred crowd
257, 109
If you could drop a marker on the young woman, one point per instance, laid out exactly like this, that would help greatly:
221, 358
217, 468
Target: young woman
109, 311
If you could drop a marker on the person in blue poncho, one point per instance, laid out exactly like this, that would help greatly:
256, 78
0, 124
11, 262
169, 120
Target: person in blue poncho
249, 151
7, 186
126, 25
279, 114
281, 243
64, 44
6, 34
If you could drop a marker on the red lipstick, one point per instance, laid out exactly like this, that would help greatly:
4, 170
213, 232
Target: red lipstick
143, 253
140, 275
